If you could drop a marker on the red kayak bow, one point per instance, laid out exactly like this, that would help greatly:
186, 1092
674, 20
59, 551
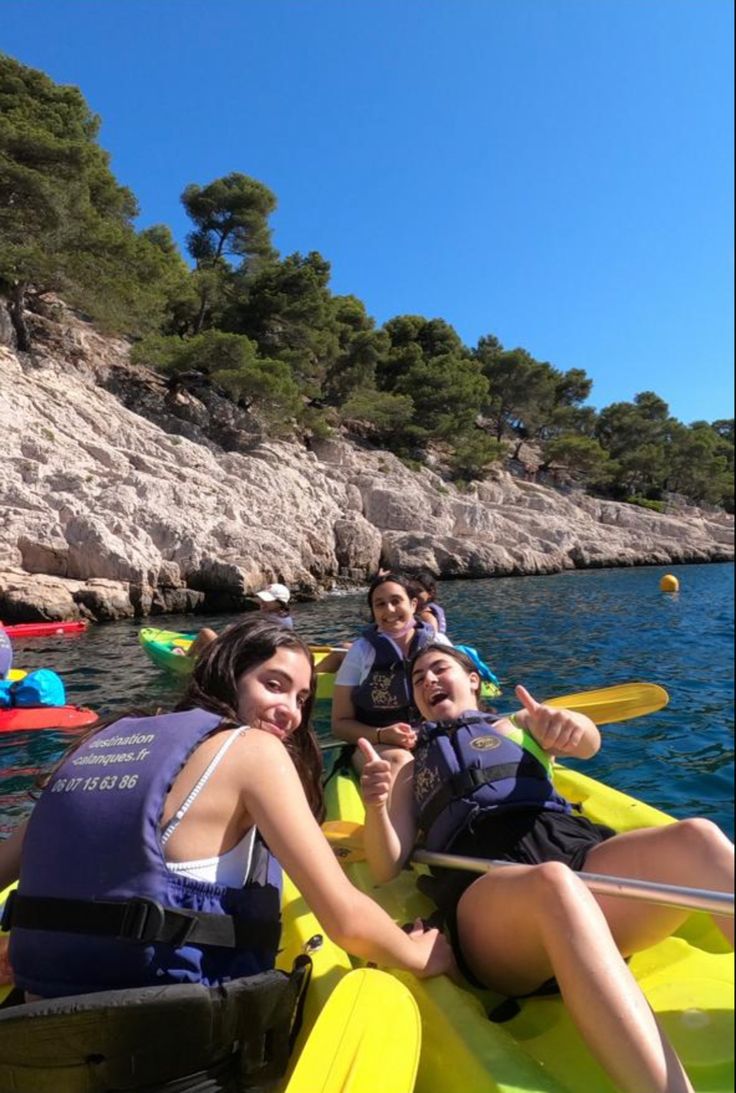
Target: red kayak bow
44, 629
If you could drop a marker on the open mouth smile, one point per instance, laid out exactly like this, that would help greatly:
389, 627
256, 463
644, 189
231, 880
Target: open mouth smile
436, 697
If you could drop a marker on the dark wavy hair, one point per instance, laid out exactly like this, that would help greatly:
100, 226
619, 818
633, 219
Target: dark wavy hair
423, 581
390, 578
214, 687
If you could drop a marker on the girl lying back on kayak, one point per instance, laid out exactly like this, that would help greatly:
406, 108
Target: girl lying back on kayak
161, 840
480, 785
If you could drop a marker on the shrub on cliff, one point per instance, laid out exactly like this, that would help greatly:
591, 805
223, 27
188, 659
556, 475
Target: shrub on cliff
232, 363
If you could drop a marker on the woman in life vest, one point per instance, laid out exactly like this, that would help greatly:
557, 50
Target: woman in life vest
514, 929
372, 696
189, 816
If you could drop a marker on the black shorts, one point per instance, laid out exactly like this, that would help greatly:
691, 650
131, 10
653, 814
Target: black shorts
526, 836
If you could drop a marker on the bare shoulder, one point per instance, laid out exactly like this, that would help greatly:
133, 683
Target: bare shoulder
258, 753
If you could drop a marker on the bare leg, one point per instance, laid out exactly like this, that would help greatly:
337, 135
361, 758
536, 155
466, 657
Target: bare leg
694, 853
526, 923
204, 638
332, 661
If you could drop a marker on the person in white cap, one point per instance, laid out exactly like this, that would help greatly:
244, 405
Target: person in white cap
273, 601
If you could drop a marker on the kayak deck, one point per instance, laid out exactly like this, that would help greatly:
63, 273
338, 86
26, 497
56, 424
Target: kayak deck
688, 980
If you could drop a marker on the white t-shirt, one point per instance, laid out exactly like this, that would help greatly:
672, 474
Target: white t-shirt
360, 657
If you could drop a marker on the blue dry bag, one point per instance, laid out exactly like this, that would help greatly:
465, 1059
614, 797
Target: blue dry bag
40, 688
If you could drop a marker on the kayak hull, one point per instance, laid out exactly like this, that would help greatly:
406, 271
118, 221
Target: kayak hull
30, 718
45, 629
688, 980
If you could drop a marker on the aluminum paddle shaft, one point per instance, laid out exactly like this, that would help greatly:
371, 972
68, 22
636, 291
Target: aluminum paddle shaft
668, 895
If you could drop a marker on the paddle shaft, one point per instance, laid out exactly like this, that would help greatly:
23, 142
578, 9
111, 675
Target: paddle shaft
667, 895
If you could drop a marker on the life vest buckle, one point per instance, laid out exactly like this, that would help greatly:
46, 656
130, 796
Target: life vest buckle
143, 920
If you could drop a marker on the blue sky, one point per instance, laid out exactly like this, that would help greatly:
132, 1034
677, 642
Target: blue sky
556, 172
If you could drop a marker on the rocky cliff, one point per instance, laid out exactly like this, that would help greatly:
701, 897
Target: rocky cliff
122, 494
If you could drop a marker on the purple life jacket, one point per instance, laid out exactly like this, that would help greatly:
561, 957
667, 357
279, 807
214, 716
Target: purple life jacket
98, 909
385, 695
464, 768
439, 614
6, 654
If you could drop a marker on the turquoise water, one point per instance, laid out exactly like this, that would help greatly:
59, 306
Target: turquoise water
556, 635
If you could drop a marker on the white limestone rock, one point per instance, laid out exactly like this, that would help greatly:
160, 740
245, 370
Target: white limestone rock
108, 510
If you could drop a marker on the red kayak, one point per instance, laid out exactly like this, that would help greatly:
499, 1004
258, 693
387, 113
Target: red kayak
44, 629
24, 718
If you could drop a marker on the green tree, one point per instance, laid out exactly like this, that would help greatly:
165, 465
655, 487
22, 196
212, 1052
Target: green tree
387, 415
361, 350
231, 228
232, 362
65, 222
287, 308
530, 398
582, 456
447, 392
473, 454
700, 464
637, 437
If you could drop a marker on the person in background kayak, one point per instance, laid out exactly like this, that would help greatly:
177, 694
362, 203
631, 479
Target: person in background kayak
480, 785
424, 586
372, 695
234, 771
272, 601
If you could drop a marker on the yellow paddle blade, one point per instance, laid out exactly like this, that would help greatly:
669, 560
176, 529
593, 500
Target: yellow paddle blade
618, 703
366, 1039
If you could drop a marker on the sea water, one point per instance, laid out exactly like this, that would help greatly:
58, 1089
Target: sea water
556, 635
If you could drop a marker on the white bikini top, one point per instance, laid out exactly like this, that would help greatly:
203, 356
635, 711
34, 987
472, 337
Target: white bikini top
232, 867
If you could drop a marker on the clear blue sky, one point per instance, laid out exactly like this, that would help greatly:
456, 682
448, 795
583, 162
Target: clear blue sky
556, 172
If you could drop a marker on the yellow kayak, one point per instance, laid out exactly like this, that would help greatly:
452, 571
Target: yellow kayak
688, 980
349, 1050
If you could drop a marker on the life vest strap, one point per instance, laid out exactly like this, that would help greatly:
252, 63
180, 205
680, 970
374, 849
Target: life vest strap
467, 781
138, 920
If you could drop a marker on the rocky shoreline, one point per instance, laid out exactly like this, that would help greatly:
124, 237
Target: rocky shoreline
122, 495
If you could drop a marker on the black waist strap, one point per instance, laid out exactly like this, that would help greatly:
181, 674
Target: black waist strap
139, 920
464, 783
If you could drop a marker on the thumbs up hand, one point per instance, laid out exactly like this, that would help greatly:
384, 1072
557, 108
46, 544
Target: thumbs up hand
558, 731
375, 781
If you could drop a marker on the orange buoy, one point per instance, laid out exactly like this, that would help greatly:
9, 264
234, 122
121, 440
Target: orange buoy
669, 583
